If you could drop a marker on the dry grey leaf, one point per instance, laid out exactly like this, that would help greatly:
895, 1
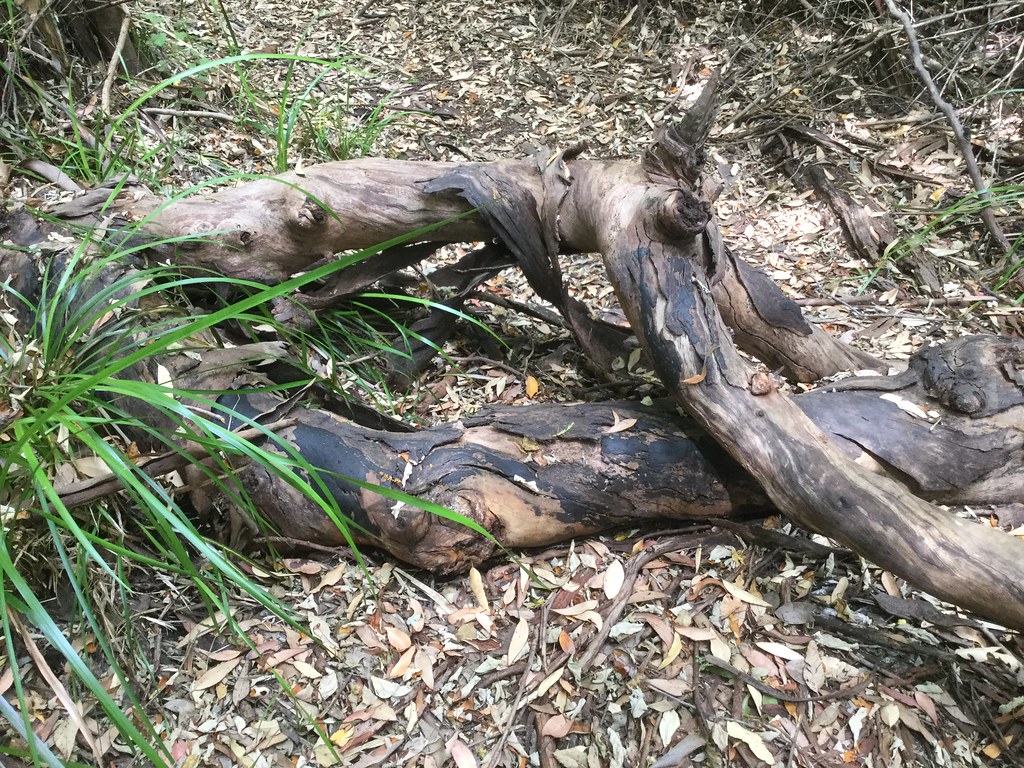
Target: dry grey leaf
814, 668
752, 740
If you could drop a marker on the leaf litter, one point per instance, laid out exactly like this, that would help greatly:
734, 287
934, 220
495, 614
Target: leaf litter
685, 647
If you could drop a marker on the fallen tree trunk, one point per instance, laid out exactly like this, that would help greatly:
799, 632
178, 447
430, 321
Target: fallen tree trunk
268, 230
686, 297
535, 475
949, 429
660, 280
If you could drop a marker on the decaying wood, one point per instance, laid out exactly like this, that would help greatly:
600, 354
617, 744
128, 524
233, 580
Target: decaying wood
690, 303
534, 475
661, 286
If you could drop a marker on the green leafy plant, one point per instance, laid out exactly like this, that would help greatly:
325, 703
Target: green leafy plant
963, 211
106, 147
330, 128
336, 131
72, 402
70, 379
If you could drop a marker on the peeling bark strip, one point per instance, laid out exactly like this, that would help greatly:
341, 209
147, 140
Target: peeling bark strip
686, 297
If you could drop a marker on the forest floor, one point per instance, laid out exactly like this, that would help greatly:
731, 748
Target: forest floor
720, 649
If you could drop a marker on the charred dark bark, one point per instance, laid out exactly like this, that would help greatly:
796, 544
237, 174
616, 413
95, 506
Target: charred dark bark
534, 475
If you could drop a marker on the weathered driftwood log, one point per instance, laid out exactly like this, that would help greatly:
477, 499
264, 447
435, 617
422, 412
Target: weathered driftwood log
662, 285
686, 297
534, 475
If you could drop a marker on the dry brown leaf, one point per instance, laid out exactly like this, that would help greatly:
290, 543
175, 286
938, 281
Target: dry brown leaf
330, 578
369, 638
425, 665
476, 583
697, 378
752, 740
402, 665
547, 682
574, 757
697, 634
285, 654
672, 652
613, 579
671, 687
341, 737
306, 669
741, 594
720, 649
463, 615
889, 714
667, 726
557, 727
91, 466
305, 567
992, 750
661, 627
214, 675
399, 640
461, 754
925, 702
780, 650
225, 654
814, 668
565, 642
517, 645
620, 425
577, 609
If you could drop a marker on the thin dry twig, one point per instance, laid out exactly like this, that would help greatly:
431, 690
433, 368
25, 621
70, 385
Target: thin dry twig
480, 359
781, 695
33, 20
312, 546
56, 686
52, 174
115, 59
513, 710
987, 215
200, 113
875, 301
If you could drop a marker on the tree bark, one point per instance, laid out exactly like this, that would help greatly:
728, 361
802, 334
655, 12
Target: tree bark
92, 26
689, 301
535, 475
